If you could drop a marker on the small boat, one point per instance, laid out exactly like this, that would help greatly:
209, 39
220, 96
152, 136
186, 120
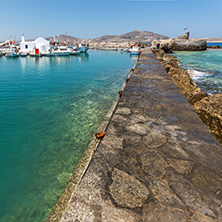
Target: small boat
24, 54
135, 50
1, 54
62, 51
48, 54
12, 55
75, 52
82, 48
123, 50
35, 55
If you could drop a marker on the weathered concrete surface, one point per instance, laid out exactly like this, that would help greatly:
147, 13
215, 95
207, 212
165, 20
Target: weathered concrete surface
157, 162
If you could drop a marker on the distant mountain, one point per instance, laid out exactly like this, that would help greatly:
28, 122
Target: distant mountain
136, 35
212, 39
69, 38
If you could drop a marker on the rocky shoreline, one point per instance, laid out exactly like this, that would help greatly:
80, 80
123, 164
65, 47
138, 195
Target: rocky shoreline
208, 107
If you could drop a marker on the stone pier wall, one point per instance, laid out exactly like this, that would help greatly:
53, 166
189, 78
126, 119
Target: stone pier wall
157, 161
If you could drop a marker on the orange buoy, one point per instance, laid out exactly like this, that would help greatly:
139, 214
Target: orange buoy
100, 135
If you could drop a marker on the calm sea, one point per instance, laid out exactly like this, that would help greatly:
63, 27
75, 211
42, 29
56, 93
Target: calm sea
49, 112
204, 67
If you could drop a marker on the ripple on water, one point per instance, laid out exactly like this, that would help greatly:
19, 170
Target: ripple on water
49, 111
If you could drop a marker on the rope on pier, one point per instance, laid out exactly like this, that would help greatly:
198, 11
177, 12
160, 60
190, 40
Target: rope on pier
115, 81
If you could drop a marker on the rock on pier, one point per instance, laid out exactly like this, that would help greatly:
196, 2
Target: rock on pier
157, 161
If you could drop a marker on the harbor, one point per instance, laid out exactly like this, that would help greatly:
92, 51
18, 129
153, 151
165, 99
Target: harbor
141, 143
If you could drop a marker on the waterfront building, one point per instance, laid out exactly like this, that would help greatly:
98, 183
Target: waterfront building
28, 46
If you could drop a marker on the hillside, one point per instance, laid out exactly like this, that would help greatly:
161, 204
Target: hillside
136, 35
69, 38
212, 39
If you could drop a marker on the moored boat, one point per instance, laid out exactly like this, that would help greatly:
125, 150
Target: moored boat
82, 48
12, 55
24, 54
135, 50
75, 52
62, 51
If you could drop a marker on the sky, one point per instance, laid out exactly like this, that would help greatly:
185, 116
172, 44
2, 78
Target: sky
93, 18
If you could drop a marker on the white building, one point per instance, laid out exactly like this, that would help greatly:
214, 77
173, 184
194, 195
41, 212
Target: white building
39, 43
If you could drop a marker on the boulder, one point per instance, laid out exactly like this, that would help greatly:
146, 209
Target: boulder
180, 77
209, 110
185, 36
170, 45
167, 45
158, 53
190, 45
195, 96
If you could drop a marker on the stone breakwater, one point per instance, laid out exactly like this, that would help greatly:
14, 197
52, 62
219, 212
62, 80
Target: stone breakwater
208, 107
157, 161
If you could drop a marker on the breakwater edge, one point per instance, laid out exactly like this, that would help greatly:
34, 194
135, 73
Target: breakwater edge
207, 102
157, 161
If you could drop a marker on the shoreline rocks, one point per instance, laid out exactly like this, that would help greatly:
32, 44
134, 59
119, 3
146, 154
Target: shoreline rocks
181, 43
208, 107
171, 45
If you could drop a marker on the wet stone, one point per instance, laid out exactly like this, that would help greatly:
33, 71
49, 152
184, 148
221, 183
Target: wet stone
72, 213
154, 139
112, 142
206, 178
123, 110
138, 128
174, 149
187, 193
127, 191
181, 166
153, 164
157, 212
198, 217
130, 138
165, 195
111, 214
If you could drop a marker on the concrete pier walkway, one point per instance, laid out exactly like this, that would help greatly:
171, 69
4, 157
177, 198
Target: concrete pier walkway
157, 161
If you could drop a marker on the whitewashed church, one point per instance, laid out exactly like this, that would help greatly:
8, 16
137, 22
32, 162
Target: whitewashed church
39, 43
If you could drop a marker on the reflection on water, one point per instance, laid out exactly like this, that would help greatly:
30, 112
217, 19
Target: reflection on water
49, 111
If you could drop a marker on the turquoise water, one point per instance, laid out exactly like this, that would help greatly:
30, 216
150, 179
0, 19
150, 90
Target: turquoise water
204, 67
214, 43
49, 112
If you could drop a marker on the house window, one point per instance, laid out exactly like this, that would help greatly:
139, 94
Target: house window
26, 46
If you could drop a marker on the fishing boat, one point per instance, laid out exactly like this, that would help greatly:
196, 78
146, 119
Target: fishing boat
135, 50
75, 52
24, 54
82, 48
62, 51
12, 54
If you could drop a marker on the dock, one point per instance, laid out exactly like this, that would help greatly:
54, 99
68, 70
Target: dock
157, 162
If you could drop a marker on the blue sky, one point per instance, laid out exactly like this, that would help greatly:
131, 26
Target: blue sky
93, 18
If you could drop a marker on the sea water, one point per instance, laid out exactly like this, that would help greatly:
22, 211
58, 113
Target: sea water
49, 111
204, 67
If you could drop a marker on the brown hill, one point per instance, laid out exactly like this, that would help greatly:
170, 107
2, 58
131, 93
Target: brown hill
136, 35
